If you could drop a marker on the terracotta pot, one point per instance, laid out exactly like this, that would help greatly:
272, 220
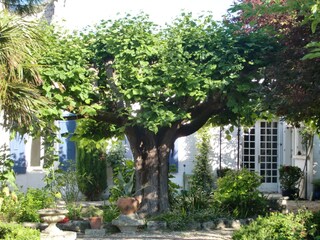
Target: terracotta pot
291, 193
128, 205
95, 222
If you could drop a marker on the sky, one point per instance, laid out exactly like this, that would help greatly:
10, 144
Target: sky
80, 13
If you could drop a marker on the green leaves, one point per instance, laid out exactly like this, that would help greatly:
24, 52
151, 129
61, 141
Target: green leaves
314, 51
108, 69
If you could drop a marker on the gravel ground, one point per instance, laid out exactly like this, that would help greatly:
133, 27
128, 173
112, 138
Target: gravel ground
194, 235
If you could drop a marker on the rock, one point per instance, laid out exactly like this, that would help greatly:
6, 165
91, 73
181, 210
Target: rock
96, 233
75, 226
208, 226
128, 223
65, 235
110, 228
192, 226
220, 224
235, 224
156, 225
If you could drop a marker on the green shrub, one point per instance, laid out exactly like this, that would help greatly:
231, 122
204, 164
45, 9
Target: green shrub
176, 220
173, 188
67, 182
110, 212
192, 201
124, 180
202, 175
74, 211
31, 202
238, 195
91, 164
9, 205
316, 222
10, 231
278, 226
179, 220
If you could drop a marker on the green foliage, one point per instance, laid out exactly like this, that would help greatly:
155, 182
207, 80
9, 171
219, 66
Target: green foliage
192, 201
178, 220
20, 207
238, 195
91, 211
174, 188
10, 231
278, 226
67, 181
20, 100
124, 180
223, 171
91, 164
51, 180
74, 211
107, 70
289, 177
202, 175
7, 176
110, 212
9, 205
31, 202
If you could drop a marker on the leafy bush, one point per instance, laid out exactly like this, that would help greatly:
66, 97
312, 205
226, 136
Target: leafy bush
173, 188
238, 195
289, 177
278, 226
67, 182
178, 220
74, 211
31, 202
110, 212
9, 205
7, 176
124, 180
91, 211
192, 201
10, 231
91, 164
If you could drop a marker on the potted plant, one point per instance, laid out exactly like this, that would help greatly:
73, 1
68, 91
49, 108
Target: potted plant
316, 189
289, 178
95, 216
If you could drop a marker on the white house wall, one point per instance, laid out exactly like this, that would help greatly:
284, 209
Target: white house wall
187, 152
316, 158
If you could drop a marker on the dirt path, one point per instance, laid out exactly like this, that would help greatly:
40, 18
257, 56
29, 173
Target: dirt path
196, 235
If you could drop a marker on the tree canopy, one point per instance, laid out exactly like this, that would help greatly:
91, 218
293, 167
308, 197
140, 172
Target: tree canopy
291, 83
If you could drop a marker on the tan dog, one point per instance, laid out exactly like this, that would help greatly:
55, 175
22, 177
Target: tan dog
129, 205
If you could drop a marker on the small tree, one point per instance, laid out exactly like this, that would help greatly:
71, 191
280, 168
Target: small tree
92, 164
202, 178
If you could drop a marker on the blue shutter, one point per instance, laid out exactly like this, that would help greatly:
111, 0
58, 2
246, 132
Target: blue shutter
17, 151
67, 148
173, 157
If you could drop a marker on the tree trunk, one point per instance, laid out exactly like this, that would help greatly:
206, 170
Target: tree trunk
151, 155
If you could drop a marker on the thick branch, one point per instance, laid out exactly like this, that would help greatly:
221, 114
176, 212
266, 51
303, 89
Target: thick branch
103, 116
200, 115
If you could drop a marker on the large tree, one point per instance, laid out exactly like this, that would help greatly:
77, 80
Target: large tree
292, 81
155, 85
